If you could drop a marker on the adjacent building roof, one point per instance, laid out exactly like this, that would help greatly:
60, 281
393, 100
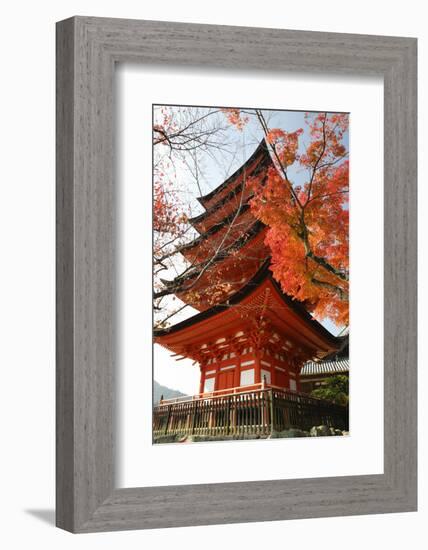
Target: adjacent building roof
312, 368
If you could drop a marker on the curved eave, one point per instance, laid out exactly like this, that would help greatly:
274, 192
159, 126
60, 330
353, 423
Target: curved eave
229, 196
208, 313
262, 147
215, 228
263, 274
239, 243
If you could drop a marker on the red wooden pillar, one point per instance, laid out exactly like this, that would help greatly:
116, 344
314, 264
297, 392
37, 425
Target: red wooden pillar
297, 372
202, 382
273, 373
288, 367
237, 375
217, 374
297, 365
257, 367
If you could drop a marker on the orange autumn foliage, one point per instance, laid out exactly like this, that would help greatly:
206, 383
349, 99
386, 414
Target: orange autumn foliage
235, 117
308, 224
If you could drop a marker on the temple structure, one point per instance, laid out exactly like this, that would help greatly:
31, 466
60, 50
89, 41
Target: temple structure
247, 333
315, 374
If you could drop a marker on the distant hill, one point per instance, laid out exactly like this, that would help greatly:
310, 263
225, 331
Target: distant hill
167, 393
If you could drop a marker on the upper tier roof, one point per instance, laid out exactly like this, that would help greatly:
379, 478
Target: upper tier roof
214, 278
230, 248
215, 228
261, 152
232, 193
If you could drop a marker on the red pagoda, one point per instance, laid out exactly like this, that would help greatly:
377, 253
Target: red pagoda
248, 334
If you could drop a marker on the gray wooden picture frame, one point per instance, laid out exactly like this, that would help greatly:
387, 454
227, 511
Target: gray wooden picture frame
87, 51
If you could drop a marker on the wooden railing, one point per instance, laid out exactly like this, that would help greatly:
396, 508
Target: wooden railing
255, 412
216, 393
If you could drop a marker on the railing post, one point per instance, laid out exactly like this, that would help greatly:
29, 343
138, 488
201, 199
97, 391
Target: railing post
272, 411
195, 410
228, 415
167, 419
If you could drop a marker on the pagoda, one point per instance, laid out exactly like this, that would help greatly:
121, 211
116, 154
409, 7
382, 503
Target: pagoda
247, 333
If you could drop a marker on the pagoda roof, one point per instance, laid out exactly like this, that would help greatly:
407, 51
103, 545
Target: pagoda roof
215, 228
224, 239
251, 233
261, 150
196, 326
234, 191
204, 215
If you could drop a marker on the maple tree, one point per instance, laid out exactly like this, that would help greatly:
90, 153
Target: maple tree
180, 136
178, 132
308, 223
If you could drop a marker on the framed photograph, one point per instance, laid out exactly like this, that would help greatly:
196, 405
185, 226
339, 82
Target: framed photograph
236, 274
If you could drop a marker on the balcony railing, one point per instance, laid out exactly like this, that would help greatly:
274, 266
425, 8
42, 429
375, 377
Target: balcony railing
258, 410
